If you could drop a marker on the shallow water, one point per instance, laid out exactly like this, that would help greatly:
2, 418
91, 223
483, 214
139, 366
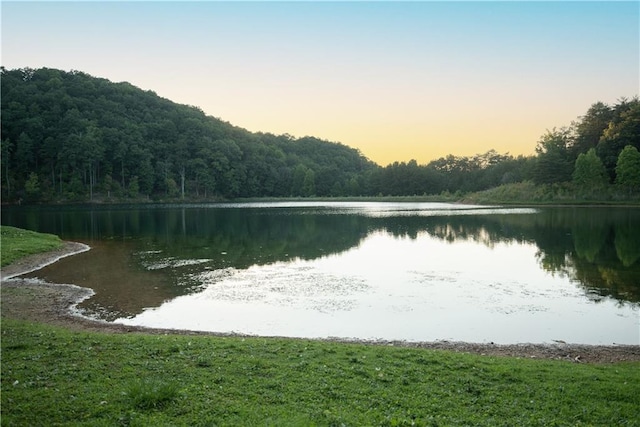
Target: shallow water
396, 271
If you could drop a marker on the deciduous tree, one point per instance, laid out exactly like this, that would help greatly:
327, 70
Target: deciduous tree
590, 174
553, 162
628, 169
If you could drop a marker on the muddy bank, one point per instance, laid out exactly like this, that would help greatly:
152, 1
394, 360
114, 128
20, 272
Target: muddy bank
54, 304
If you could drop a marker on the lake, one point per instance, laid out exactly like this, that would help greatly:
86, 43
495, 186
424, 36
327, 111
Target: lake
365, 270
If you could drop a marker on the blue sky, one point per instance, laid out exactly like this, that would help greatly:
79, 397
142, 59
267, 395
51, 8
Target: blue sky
397, 80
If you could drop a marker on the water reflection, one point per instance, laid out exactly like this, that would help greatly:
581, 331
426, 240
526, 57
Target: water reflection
598, 248
143, 256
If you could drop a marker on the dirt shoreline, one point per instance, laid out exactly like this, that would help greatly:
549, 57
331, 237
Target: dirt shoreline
54, 304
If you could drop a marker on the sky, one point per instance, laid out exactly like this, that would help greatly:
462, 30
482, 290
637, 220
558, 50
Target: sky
396, 80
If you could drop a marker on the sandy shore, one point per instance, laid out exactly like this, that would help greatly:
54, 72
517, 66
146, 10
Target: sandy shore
54, 304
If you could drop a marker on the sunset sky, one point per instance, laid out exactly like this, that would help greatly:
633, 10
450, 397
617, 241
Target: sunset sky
397, 80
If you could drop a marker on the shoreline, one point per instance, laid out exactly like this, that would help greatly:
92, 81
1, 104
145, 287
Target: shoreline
54, 304
35, 262
382, 199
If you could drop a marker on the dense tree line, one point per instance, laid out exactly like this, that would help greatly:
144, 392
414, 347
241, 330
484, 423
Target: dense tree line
599, 149
71, 136
67, 135
596, 156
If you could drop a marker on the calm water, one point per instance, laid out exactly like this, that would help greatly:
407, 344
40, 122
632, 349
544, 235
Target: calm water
412, 271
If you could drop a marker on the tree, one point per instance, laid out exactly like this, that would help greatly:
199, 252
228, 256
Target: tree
590, 174
24, 153
94, 152
623, 130
352, 187
107, 185
172, 187
309, 183
74, 130
553, 164
590, 128
6, 156
628, 169
336, 190
32, 187
134, 187
202, 175
297, 181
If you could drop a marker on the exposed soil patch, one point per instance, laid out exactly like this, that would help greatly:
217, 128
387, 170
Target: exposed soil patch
54, 304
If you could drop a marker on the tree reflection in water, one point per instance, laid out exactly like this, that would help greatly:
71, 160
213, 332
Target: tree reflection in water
596, 247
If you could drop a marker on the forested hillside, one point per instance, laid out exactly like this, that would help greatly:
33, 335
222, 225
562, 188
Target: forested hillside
68, 136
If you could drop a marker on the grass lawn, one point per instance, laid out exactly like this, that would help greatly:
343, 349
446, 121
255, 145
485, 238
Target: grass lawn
16, 243
53, 376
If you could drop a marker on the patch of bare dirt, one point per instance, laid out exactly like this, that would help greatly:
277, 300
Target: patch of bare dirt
54, 304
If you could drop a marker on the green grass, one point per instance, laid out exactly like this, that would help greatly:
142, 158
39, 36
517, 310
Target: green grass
53, 376
548, 194
151, 394
16, 243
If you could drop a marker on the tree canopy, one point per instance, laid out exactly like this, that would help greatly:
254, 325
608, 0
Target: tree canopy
80, 135
69, 136
628, 168
589, 173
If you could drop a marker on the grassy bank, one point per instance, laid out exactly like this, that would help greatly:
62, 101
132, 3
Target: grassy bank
16, 243
528, 193
52, 376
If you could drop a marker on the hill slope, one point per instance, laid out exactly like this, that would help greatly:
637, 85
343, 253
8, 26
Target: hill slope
68, 135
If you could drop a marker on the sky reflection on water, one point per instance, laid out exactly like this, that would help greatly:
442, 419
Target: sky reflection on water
391, 288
